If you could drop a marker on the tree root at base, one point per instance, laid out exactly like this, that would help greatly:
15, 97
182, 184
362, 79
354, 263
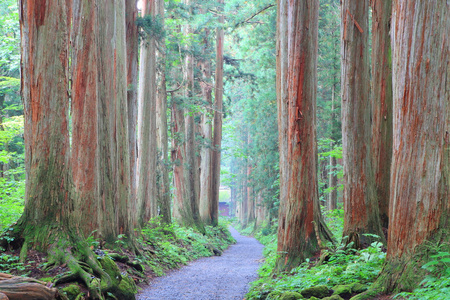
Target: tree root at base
23, 288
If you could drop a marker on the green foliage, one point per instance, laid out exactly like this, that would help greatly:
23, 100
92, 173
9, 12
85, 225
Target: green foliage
152, 27
12, 182
10, 263
8, 84
224, 195
250, 129
174, 245
9, 38
335, 222
343, 267
436, 285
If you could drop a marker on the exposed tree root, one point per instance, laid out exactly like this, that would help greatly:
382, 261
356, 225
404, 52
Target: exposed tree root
23, 288
63, 248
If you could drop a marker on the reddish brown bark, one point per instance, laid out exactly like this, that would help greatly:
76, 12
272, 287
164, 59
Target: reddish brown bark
45, 81
420, 177
360, 204
381, 101
301, 228
84, 116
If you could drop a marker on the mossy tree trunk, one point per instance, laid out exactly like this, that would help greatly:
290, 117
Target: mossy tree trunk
48, 223
420, 178
360, 203
301, 228
45, 29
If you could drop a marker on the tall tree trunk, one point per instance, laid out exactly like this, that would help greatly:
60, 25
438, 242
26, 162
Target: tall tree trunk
381, 100
146, 192
163, 187
85, 100
282, 107
45, 29
206, 128
301, 228
420, 173
217, 135
113, 147
186, 168
131, 13
360, 203
178, 157
332, 177
250, 196
191, 171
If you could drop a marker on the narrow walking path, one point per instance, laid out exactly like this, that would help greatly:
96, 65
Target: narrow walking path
223, 277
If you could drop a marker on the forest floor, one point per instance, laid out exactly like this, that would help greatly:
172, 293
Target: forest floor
218, 277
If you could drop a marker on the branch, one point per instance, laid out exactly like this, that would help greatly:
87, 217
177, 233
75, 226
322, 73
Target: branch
176, 89
254, 15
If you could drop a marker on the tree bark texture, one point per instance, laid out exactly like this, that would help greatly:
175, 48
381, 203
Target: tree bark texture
332, 176
131, 13
420, 174
282, 107
261, 210
360, 203
163, 187
24, 288
84, 160
113, 146
217, 135
146, 193
301, 227
191, 171
45, 32
206, 132
381, 102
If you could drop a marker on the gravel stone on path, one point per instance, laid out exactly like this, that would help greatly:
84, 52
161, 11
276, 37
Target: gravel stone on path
211, 278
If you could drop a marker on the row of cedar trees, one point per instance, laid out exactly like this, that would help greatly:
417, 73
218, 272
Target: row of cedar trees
81, 58
395, 127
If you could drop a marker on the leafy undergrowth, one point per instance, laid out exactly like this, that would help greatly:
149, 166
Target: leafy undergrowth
160, 247
344, 274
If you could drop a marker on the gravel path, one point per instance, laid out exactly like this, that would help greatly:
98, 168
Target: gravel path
218, 277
